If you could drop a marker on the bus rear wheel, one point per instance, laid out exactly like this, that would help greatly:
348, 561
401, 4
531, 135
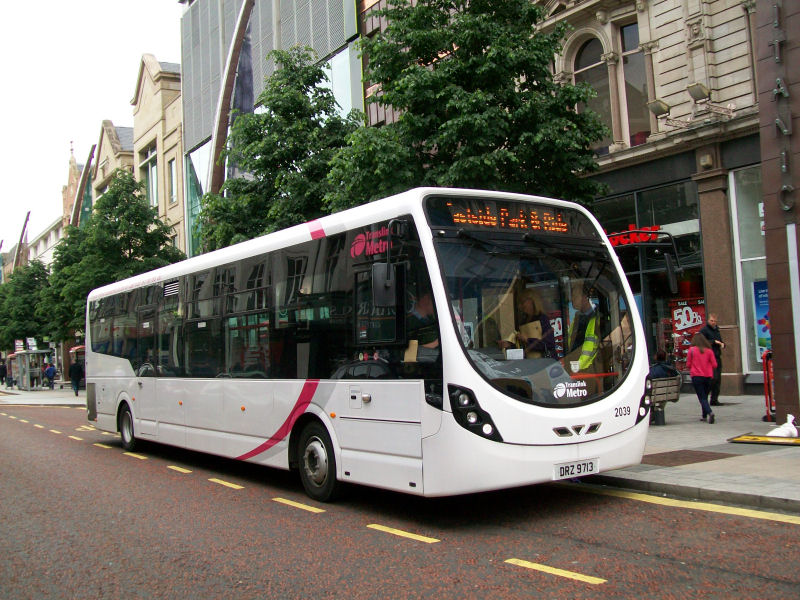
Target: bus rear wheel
317, 463
126, 429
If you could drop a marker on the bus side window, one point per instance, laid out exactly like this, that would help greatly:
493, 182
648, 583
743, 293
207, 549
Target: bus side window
204, 344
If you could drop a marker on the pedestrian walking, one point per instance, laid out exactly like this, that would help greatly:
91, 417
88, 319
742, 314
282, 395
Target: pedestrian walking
50, 375
712, 334
700, 361
75, 376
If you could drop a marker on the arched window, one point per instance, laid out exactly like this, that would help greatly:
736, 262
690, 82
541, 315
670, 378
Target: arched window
590, 68
625, 111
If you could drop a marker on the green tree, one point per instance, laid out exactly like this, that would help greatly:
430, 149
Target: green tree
122, 238
63, 302
283, 151
20, 297
478, 104
125, 234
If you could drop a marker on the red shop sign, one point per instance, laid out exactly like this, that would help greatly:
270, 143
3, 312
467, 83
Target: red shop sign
623, 238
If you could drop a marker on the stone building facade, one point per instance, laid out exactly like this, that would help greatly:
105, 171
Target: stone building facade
158, 141
676, 88
778, 65
114, 150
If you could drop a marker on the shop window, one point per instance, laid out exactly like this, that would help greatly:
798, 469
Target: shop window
673, 209
749, 250
670, 319
618, 215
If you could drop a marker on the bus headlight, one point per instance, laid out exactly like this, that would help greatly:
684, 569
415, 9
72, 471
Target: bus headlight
646, 402
468, 413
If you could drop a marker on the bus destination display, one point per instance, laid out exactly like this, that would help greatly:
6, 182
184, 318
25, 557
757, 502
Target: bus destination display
509, 216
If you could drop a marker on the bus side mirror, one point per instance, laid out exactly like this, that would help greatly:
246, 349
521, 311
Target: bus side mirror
384, 285
672, 278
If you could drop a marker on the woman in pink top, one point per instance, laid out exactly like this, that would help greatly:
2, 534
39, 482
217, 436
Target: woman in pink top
701, 362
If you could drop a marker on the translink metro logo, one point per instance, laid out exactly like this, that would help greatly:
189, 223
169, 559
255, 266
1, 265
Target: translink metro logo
573, 389
369, 243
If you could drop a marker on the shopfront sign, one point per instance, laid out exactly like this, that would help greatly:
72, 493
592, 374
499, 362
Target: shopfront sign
634, 235
688, 316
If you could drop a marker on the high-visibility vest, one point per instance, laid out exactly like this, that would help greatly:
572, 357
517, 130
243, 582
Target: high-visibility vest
590, 342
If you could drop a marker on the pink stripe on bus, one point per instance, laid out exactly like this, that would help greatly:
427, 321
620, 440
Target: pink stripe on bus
309, 387
316, 229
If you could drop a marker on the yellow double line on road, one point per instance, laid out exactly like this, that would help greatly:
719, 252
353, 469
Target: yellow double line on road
704, 506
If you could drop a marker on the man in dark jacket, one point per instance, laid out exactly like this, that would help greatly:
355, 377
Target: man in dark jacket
75, 376
712, 334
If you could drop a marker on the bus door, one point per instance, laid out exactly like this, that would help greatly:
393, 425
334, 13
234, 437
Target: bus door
382, 421
144, 393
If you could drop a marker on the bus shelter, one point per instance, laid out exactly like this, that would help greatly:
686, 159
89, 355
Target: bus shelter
29, 371
13, 370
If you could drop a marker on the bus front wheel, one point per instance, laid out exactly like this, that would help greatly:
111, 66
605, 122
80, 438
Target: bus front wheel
126, 429
317, 463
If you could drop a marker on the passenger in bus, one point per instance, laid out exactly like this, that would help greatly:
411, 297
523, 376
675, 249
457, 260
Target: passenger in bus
535, 334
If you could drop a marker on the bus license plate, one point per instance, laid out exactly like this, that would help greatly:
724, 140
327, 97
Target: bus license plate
577, 468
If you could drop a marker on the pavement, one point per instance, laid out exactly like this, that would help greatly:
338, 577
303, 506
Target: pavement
684, 458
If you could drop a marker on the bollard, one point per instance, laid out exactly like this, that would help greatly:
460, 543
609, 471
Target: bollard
658, 415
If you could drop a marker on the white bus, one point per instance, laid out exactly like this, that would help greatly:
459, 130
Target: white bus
437, 342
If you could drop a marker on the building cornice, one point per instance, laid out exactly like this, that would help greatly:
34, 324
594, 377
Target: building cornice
682, 140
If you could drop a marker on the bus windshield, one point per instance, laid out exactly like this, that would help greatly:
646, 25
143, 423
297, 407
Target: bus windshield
537, 304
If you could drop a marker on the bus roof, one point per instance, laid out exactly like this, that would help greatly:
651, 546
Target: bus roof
379, 210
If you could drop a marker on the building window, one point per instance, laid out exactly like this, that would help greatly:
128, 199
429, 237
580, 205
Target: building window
590, 68
344, 78
173, 181
624, 113
148, 169
635, 85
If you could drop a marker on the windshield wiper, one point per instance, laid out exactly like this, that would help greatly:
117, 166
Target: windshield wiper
561, 241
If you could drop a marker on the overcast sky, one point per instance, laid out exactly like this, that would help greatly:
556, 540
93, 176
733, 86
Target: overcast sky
67, 66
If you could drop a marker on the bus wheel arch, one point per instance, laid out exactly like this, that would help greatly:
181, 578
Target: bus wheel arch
125, 426
313, 455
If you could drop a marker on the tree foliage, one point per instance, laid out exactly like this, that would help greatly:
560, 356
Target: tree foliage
283, 150
19, 318
479, 106
123, 237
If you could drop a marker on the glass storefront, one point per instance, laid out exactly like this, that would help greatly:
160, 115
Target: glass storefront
669, 319
747, 209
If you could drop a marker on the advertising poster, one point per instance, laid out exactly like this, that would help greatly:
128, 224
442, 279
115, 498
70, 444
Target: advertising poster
688, 317
761, 318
